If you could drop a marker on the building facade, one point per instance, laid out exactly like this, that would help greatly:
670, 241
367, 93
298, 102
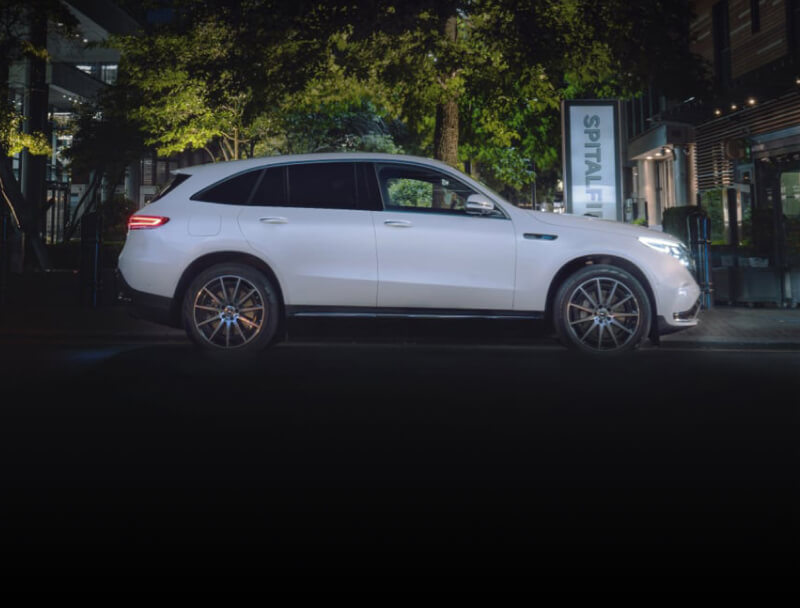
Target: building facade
78, 68
75, 72
737, 155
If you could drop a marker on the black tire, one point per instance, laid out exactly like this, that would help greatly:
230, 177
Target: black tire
602, 310
231, 308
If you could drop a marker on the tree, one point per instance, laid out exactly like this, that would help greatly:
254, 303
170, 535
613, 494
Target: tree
470, 80
183, 101
204, 84
336, 127
486, 77
106, 141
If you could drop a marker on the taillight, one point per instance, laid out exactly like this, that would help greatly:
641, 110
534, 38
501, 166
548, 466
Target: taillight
144, 222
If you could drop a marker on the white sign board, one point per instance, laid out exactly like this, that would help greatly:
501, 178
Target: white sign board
592, 159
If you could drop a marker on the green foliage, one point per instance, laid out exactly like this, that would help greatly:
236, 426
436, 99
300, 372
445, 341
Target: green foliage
204, 84
13, 140
712, 203
677, 221
182, 103
411, 193
337, 127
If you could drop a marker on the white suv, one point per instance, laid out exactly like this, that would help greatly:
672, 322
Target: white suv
229, 250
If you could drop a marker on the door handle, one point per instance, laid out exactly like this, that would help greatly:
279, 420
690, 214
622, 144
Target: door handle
273, 220
398, 223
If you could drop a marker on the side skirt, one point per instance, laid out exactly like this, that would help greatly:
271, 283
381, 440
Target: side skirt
408, 313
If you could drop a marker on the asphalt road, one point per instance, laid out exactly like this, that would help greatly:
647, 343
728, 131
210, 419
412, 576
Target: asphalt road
379, 456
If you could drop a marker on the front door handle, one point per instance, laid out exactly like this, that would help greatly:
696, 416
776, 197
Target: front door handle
398, 223
273, 220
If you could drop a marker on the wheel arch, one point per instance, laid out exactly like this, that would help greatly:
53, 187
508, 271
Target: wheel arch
576, 264
212, 259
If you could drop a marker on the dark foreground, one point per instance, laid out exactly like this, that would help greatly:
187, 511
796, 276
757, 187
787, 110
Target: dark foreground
379, 457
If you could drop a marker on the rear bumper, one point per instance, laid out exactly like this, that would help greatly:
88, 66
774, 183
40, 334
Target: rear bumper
146, 306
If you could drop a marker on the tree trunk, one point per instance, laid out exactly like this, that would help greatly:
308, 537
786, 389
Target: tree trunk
36, 122
446, 131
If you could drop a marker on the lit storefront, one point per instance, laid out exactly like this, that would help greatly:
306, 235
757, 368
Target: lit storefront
748, 176
662, 164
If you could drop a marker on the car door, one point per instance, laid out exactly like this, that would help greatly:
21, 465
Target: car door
306, 221
431, 253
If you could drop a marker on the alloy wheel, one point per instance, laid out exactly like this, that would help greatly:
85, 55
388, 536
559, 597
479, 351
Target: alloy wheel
229, 311
603, 314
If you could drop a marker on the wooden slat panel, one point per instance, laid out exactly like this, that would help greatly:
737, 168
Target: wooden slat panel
713, 169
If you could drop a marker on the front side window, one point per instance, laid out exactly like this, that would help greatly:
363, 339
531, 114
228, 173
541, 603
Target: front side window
409, 188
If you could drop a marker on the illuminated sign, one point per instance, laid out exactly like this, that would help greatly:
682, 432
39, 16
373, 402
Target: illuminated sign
592, 166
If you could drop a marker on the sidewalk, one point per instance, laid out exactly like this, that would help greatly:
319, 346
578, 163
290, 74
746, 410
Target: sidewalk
741, 327
46, 307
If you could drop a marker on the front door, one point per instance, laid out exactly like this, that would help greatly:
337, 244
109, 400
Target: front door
431, 253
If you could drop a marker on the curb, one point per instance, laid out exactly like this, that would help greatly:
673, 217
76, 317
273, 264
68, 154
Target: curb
722, 344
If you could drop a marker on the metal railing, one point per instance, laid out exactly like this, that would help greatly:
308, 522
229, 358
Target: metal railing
698, 230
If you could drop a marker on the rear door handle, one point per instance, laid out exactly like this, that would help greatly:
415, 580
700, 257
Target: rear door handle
273, 220
398, 223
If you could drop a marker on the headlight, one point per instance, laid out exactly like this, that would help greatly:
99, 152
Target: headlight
678, 251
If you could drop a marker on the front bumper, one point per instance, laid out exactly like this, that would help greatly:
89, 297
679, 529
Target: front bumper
680, 320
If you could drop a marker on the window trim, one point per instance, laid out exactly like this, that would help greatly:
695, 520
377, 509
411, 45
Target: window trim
362, 196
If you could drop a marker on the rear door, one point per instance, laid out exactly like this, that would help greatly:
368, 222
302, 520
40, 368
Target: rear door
308, 222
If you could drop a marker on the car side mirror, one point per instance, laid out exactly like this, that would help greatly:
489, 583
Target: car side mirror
478, 204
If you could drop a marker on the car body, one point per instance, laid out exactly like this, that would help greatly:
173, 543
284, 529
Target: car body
351, 234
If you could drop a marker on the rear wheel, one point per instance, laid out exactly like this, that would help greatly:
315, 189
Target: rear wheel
602, 310
231, 307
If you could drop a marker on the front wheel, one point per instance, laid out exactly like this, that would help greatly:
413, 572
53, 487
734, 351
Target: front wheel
603, 310
231, 307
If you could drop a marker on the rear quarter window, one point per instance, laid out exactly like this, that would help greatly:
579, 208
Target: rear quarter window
175, 181
236, 190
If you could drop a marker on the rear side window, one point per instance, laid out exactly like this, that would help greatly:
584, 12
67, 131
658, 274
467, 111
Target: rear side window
235, 190
323, 186
271, 190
